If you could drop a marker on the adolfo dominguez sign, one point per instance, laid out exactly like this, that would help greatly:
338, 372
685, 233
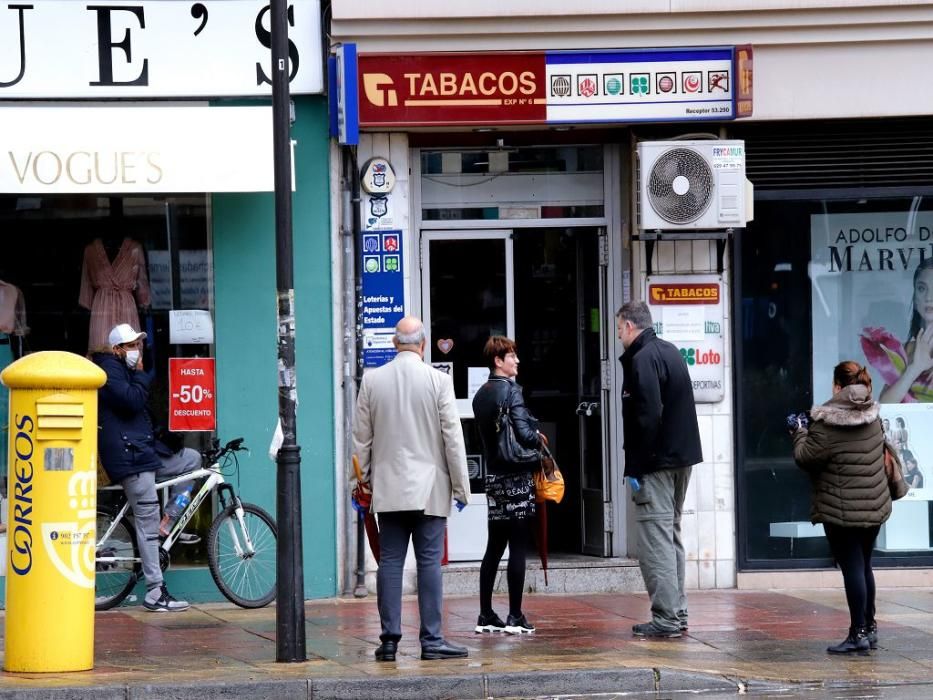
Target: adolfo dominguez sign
152, 48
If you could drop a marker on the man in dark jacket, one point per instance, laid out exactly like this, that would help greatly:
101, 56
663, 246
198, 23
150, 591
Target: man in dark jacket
662, 443
131, 455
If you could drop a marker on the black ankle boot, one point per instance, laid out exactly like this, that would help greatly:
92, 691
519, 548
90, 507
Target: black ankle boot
871, 631
856, 642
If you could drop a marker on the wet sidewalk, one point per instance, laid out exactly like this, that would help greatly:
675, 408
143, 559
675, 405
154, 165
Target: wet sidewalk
739, 641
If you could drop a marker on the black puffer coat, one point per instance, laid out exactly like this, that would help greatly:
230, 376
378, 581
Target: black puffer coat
843, 451
498, 391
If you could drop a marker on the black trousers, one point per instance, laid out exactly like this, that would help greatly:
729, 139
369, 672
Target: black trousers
851, 548
514, 533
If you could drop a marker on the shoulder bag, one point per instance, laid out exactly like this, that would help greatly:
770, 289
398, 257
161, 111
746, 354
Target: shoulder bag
549, 482
895, 472
508, 449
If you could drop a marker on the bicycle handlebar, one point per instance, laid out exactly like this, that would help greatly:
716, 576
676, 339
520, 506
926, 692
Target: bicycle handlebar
216, 452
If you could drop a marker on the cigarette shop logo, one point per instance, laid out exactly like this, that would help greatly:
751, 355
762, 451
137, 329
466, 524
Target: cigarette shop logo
678, 294
446, 88
378, 89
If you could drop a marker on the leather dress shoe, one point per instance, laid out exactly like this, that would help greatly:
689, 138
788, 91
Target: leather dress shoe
386, 651
444, 650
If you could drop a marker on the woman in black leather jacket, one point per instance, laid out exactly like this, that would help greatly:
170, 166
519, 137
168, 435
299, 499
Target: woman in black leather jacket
510, 490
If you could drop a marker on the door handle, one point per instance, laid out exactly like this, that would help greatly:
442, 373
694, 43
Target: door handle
582, 408
587, 408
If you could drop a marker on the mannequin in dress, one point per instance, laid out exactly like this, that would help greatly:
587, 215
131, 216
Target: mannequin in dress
114, 281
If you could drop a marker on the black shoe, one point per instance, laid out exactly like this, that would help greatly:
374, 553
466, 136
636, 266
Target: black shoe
386, 650
444, 650
649, 629
518, 625
856, 643
489, 622
871, 631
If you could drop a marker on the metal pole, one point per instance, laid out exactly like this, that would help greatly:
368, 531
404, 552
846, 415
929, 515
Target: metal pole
290, 611
349, 229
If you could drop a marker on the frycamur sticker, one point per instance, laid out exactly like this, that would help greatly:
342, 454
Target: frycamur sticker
871, 280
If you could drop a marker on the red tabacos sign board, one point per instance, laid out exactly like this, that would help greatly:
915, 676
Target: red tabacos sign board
679, 294
478, 88
192, 402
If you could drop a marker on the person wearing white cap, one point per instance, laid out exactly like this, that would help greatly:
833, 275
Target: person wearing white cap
131, 455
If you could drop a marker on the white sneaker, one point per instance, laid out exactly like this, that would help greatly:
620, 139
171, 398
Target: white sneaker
159, 600
518, 625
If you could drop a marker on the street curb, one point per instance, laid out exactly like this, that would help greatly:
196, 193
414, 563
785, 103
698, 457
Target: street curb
468, 686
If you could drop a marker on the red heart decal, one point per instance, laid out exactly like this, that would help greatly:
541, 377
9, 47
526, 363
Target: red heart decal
445, 345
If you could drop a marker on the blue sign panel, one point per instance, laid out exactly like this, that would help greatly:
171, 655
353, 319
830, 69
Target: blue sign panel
383, 294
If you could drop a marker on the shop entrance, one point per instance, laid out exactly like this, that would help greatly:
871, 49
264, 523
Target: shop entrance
546, 288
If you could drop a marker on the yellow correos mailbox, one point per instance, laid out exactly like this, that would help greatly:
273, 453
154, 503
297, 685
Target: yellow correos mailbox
51, 519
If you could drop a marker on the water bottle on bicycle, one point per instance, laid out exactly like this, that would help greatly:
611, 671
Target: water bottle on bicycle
175, 508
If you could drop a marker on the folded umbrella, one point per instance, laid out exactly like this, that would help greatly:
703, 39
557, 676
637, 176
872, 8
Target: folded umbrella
541, 536
363, 495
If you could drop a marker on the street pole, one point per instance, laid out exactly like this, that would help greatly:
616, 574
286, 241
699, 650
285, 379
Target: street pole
290, 610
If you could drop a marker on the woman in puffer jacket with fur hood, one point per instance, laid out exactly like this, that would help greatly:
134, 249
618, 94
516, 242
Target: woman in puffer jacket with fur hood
843, 452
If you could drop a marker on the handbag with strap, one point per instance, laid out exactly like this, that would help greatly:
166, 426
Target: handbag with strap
894, 471
508, 448
549, 482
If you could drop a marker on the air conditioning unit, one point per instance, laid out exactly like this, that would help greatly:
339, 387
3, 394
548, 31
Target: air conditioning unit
691, 185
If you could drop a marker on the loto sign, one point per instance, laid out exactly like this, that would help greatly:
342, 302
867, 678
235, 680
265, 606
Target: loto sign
192, 395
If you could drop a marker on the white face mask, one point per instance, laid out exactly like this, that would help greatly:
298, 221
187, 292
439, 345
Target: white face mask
132, 357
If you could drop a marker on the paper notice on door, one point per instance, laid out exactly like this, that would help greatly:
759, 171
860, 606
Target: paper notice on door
190, 327
476, 377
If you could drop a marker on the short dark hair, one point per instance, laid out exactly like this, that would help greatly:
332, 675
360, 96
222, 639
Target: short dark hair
850, 372
637, 312
497, 346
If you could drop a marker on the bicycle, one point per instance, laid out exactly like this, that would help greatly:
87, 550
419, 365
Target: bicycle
241, 542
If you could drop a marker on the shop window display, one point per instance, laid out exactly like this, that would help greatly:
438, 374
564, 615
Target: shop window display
825, 281
76, 266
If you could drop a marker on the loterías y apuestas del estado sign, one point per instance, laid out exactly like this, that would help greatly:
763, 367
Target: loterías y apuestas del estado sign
152, 48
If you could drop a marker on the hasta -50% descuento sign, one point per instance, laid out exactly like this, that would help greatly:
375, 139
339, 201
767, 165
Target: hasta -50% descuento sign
192, 402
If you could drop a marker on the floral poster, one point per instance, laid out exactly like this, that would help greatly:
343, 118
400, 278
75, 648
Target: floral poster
871, 278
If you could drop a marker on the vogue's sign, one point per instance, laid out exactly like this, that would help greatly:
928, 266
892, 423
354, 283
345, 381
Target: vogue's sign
135, 149
555, 87
152, 48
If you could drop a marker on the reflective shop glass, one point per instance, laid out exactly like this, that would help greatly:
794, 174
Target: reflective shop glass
79, 262
825, 281
512, 183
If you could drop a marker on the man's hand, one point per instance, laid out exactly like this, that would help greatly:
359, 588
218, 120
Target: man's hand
362, 497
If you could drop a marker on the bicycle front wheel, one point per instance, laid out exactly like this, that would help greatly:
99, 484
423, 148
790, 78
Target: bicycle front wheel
242, 557
116, 563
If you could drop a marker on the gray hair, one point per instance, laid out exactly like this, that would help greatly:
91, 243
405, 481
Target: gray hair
413, 338
637, 312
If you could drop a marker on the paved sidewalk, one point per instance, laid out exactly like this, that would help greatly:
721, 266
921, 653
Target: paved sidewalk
738, 641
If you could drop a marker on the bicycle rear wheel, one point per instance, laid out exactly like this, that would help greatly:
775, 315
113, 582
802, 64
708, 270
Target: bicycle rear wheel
113, 581
247, 579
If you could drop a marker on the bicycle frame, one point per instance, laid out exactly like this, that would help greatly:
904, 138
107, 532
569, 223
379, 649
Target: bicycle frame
215, 480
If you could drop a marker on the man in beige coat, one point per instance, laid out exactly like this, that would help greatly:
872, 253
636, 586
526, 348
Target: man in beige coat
409, 441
